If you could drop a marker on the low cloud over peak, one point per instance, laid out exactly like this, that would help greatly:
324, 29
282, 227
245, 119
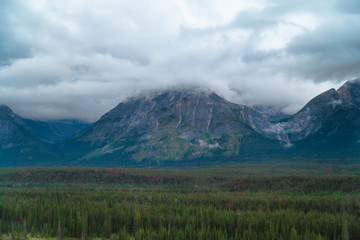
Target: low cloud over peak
78, 59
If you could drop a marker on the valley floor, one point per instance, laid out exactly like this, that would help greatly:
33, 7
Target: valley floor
252, 201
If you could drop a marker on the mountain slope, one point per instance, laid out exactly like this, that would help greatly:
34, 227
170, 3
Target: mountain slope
17, 145
339, 131
173, 126
25, 142
54, 131
329, 125
311, 117
179, 127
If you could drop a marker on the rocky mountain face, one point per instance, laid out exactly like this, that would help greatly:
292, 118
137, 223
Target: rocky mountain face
173, 126
330, 113
337, 123
329, 125
188, 125
310, 118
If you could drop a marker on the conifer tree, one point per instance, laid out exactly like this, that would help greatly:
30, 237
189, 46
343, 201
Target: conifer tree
24, 230
293, 234
59, 234
345, 230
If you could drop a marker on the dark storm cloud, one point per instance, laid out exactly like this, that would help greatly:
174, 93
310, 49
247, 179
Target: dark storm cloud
78, 59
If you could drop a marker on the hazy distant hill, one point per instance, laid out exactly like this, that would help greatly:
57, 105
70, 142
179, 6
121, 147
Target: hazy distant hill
27, 142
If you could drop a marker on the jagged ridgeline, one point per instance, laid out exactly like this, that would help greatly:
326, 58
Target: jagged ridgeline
191, 126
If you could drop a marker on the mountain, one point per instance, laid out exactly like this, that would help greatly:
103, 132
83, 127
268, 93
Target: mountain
310, 118
19, 146
27, 142
334, 128
350, 93
54, 131
195, 125
174, 126
183, 127
329, 125
330, 113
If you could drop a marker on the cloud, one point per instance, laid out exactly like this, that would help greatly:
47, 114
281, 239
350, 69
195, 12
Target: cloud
332, 51
78, 59
348, 6
12, 46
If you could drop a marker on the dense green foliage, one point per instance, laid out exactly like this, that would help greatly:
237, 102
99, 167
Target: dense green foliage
177, 204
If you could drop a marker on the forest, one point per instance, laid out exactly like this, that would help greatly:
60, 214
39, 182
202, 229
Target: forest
246, 202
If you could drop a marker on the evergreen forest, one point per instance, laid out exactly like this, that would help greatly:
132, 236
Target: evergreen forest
242, 202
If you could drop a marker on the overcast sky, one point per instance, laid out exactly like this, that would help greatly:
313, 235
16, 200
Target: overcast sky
80, 58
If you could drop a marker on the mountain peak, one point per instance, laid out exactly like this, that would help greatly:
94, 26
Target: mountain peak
321, 100
173, 93
5, 112
193, 124
2, 106
160, 101
176, 124
353, 81
350, 92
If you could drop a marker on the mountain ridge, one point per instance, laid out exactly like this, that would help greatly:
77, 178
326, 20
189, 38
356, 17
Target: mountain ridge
173, 125
24, 142
195, 125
